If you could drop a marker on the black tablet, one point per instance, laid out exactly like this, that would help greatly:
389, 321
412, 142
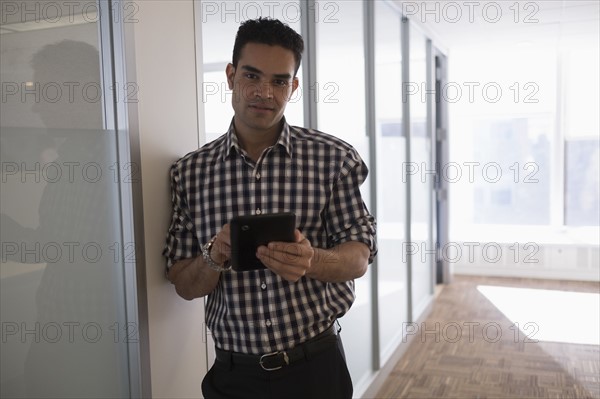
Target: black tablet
250, 232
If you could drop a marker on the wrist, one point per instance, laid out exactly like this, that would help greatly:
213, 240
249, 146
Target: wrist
221, 266
313, 270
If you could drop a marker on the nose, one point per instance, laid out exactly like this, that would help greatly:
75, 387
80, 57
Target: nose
265, 90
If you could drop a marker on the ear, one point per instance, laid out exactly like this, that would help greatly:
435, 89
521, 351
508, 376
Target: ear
230, 72
295, 83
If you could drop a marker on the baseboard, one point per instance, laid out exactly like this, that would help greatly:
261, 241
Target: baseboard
541, 273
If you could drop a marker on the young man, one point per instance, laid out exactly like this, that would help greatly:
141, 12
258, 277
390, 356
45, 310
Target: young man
273, 328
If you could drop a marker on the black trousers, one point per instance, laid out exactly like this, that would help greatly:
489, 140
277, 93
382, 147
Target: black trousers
324, 375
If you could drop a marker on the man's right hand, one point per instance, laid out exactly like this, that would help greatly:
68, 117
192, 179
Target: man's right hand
193, 278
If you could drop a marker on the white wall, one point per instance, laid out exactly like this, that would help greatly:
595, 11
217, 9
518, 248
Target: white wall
168, 129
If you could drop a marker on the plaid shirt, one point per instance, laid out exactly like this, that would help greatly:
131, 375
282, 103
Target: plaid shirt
310, 173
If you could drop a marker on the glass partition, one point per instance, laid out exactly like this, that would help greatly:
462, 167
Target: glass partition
340, 100
391, 209
422, 250
220, 22
65, 331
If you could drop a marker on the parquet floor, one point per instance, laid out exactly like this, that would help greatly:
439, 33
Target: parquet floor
467, 348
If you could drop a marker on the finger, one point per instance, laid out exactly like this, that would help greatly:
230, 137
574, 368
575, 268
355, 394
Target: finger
288, 249
286, 271
274, 253
225, 234
223, 243
279, 259
301, 239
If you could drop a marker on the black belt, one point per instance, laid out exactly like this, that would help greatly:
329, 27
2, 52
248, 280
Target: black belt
277, 360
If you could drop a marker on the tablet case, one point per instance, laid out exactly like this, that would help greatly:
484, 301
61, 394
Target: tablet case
250, 232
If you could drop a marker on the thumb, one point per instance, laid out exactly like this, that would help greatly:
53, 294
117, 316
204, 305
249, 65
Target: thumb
298, 236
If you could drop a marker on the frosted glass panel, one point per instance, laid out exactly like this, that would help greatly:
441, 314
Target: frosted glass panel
62, 306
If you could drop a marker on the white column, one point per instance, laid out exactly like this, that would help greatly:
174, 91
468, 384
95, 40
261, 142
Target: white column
167, 123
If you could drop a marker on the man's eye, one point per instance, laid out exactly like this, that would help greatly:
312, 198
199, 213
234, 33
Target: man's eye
251, 76
281, 83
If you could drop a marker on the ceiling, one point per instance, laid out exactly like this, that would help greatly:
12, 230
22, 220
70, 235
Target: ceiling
460, 23
449, 23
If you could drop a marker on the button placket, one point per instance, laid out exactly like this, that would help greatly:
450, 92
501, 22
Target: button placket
258, 187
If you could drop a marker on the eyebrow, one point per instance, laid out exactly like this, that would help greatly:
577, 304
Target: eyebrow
257, 71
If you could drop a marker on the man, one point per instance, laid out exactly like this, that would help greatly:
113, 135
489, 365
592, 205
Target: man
273, 328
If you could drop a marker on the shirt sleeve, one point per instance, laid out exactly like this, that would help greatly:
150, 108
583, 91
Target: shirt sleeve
348, 218
182, 242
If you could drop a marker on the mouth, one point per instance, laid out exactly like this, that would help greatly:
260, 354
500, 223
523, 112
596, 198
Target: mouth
261, 107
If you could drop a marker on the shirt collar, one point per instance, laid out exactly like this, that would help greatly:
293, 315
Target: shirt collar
231, 140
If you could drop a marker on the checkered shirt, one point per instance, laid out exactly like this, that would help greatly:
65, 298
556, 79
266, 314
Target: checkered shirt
310, 173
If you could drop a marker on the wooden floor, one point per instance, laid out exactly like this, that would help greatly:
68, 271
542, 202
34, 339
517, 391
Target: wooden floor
441, 364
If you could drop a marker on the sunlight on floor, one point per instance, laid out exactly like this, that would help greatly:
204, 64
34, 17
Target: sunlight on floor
549, 315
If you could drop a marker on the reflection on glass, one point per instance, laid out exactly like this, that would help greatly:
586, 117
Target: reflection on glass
64, 330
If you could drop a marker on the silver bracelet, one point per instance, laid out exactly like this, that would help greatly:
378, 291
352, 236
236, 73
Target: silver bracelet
225, 267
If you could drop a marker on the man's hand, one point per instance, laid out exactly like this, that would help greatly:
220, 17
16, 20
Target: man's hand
290, 260
192, 277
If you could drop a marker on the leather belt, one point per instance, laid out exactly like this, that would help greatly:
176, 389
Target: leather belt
277, 360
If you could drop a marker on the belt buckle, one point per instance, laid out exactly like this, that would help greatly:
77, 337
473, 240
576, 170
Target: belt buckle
286, 359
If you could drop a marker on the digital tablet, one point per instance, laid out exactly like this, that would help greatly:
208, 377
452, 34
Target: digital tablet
250, 232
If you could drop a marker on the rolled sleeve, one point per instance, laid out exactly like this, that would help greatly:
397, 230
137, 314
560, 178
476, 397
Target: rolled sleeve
348, 218
182, 242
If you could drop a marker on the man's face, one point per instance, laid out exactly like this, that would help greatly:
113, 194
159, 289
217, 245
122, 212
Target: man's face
262, 85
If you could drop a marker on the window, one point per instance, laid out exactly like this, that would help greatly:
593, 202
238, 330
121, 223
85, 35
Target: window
510, 172
220, 22
524, 136
582, 145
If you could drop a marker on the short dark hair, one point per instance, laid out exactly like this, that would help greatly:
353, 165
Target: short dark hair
268, 31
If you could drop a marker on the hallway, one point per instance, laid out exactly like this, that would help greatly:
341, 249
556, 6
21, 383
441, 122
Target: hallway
477, 123
469, 356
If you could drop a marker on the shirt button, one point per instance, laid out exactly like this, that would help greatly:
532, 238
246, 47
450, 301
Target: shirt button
258, 176
263, 286
268, 323
258, 211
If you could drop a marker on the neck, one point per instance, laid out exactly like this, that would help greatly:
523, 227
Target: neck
255, 141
